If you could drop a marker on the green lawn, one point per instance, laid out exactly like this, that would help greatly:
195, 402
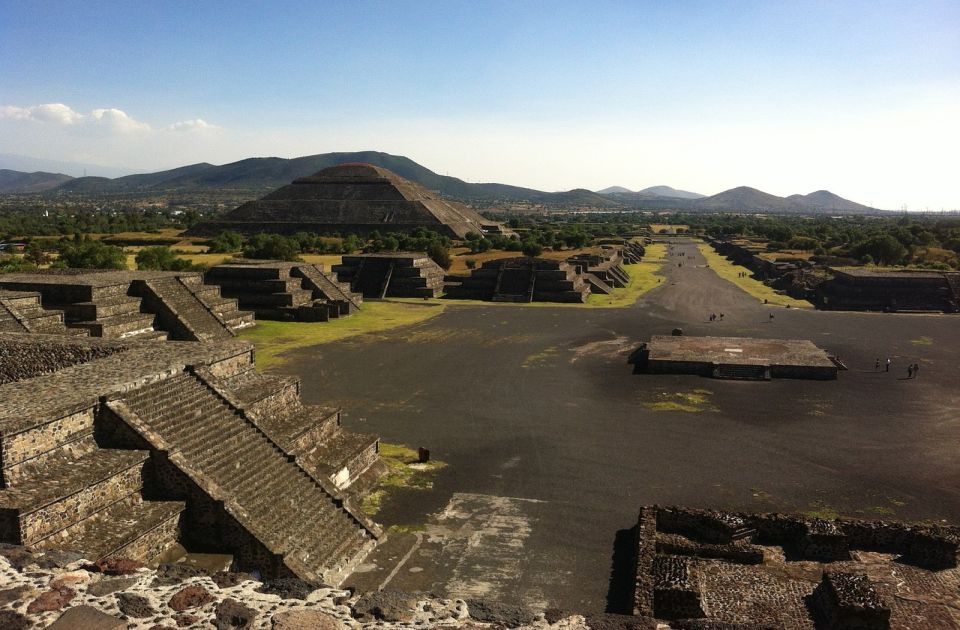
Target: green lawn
272, 339
730, 272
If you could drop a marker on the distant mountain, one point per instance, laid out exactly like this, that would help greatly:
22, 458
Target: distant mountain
667, 191
744, 198
27, 164
256, 176
17, 182
826, 200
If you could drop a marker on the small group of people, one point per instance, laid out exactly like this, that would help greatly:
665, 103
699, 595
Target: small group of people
713, 317
742, 274
912, 370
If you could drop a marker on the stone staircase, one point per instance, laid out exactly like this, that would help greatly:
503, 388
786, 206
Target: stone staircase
23, 312
596, 284
62, 491
113, 317
312, 434
227, 310
391, 275
325, 287
210, 440
179, 310
742, 372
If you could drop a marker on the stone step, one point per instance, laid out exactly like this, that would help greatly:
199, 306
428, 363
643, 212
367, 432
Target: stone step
130, 528
102, 308
146, 335
117, 326
70, 488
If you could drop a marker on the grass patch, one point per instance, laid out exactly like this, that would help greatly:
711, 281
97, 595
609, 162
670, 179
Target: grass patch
404, 472
731, 273
272, 339
922, 341
691, 402
819, 509
541, 358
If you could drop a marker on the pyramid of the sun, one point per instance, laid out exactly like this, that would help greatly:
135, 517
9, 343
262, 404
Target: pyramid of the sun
349, 198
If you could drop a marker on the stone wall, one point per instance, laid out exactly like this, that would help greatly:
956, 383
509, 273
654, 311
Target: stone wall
21, 361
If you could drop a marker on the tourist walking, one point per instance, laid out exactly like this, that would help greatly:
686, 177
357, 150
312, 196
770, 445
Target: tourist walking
888, 364
916, 369
910, 371
876, 366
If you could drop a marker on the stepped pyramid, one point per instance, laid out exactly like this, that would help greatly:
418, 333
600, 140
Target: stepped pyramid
126, 447
350, 198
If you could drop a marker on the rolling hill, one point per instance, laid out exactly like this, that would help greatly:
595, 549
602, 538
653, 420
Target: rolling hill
19, 182
255, 176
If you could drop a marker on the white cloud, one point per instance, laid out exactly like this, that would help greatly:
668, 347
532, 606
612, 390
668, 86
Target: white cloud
103, 120
197, 124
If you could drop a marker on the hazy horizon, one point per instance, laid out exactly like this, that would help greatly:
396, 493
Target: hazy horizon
857, 98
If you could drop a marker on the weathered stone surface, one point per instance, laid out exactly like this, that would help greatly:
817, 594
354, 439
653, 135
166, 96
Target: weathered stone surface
85, 618
18, 557
229, 579
111, 585
387, 606
306, 618
10, 620
288, 588
170, 574
606, 621
495, 612
115, 566
185, 621
58, 559
233, 614
190, 597
54, 599
134, 605
70, 579
10, 595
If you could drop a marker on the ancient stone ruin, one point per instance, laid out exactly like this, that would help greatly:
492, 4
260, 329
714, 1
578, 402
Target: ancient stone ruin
153, 305
523, 279
133, 446
734, 358
285, 290
603, 271
394, 274
712, 569
853, 289
350, 198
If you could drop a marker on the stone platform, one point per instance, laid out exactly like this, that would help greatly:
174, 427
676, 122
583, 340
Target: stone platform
734, 358
154, 305
127, 447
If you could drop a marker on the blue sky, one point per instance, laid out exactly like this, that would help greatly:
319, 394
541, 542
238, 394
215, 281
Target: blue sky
857, 97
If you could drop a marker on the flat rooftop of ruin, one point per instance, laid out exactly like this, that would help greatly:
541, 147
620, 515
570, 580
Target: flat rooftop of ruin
737, 351
859, 272
64, 374
87, 277
410, 255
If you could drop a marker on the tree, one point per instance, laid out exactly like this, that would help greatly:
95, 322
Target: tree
884, 249
531, 248
161, 258
34, 253
225, 243
439, 254
85, 253
271, 247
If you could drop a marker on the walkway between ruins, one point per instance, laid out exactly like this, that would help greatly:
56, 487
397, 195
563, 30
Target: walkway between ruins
540, 404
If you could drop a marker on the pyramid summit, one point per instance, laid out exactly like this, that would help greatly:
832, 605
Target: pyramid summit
352, 197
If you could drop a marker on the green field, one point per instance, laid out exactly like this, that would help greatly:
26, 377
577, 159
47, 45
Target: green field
272, 339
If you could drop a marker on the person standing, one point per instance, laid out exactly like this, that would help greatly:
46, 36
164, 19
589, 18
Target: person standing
910, 371
876, 365
916, 369
888, 364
